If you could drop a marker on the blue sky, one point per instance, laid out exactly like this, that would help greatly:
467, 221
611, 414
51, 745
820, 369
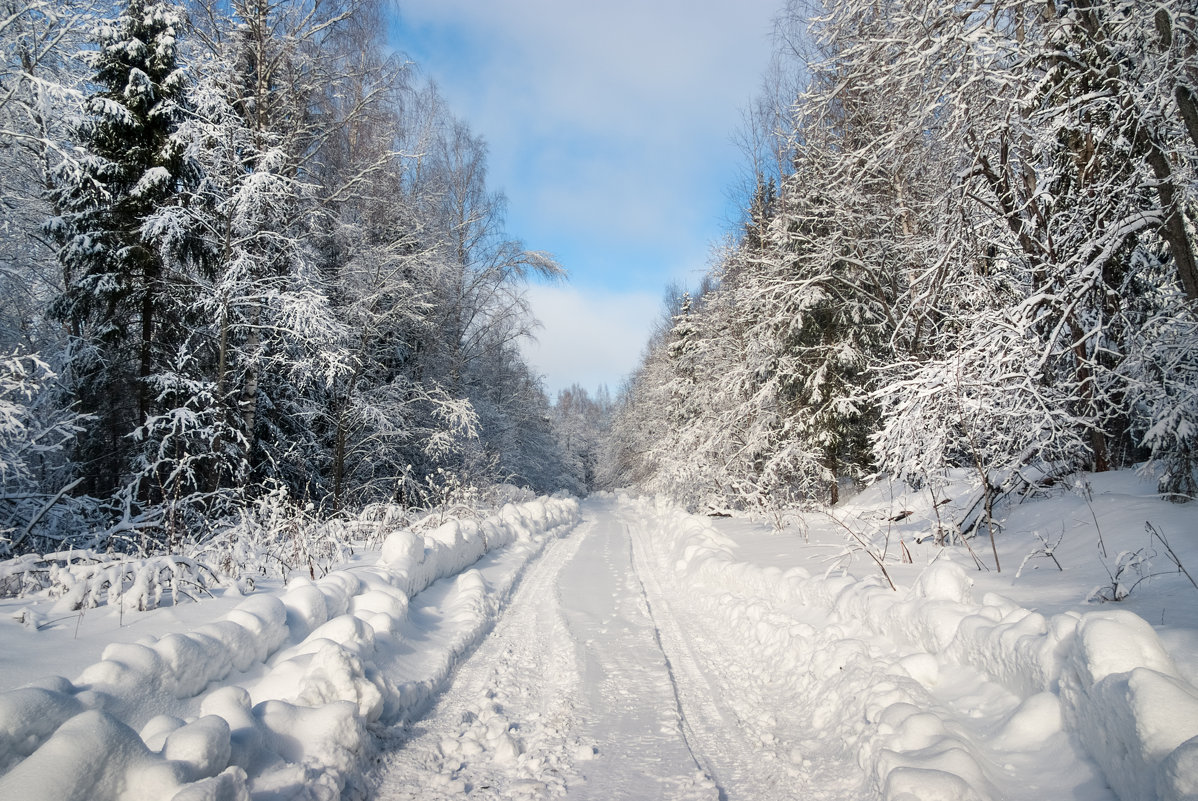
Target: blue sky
611, 127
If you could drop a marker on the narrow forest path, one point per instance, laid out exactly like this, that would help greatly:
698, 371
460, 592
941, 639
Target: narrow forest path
609, 677
570, 694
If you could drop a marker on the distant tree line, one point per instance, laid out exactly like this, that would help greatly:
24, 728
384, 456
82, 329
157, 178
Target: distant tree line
970, 245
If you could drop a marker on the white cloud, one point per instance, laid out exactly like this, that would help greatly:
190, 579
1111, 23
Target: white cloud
590, 337
610, 126
608, 121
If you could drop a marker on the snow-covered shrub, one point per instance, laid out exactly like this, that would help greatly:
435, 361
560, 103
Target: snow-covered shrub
274, 535
33, 434
982, 408
447, 496
1162, 374
1130, 569
87, 579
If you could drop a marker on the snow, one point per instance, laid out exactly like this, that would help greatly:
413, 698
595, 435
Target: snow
648, 653
272, 698
1101, 676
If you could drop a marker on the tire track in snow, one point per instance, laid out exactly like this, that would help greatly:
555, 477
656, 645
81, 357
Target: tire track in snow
723, 724
502, 728
570, 695
629, 707
688, 734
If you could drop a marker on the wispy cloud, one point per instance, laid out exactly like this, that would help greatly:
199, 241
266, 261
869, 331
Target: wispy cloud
614, 117
589, 337
610, 126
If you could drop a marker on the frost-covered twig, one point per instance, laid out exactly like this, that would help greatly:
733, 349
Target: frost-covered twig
1048, 551
1153, 531
865, 547
1088, 495
1127, 563
46, 508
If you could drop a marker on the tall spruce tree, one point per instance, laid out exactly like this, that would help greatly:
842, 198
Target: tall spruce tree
130, 166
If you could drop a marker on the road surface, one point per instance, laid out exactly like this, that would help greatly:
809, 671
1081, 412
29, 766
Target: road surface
608, 677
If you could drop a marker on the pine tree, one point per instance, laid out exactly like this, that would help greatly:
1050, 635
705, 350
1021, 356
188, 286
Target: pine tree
114, 263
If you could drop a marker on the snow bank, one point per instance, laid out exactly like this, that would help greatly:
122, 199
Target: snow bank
1102, 676
271, 701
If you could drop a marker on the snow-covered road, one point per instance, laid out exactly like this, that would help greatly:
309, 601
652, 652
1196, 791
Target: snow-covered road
642, 657
570, 694
632, 651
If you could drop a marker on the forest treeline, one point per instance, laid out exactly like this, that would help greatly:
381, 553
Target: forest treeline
244, 250
971, 245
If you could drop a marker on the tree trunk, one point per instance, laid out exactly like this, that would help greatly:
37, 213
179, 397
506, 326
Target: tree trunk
145, 355
1173, 231
248, 402
339, 444
1085, 380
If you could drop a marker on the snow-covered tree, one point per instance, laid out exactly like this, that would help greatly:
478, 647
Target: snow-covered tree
977, 251
41, 82
579, 424
116, 291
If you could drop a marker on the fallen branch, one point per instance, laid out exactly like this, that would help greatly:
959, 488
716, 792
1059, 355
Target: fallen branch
38, 517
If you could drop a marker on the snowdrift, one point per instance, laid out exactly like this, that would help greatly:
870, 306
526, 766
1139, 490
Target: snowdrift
1102, 677
271, 701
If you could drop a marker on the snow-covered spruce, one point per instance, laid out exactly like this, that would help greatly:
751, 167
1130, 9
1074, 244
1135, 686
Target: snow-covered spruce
272, 700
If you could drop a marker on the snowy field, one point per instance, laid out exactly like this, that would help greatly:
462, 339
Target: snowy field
625, 649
